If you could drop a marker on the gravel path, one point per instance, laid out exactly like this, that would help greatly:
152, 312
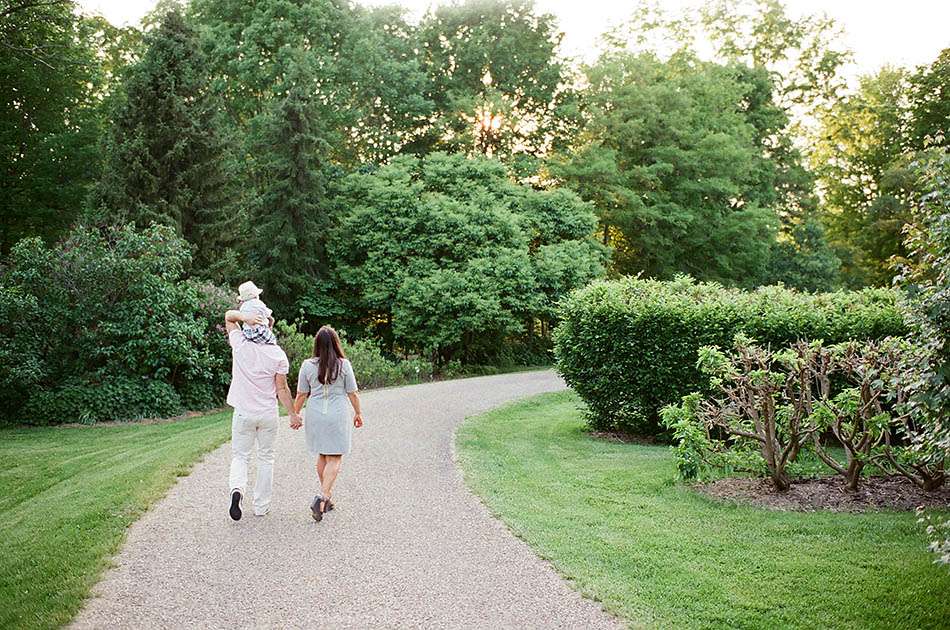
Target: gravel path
407, 546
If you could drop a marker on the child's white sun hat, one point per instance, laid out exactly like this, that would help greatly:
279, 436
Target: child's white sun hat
249, 291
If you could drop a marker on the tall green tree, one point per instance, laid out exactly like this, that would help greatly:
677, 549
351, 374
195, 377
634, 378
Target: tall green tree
48, 118
290, 215
370, 87
251, 47
496, 78
163, 152
445, 255
674, 168
930, 104
803, 259
864, 176
387, 93
801, 255
791, 67
864, 154
803, 56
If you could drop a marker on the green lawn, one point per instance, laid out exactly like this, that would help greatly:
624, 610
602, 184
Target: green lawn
67, 496
612, 519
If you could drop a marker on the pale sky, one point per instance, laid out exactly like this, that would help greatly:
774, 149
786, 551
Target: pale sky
901, 33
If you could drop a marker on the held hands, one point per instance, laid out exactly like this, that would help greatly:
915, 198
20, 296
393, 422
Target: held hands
358, 420
295, 421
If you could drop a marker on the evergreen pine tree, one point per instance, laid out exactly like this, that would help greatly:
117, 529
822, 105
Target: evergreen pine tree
289, 217
164, 151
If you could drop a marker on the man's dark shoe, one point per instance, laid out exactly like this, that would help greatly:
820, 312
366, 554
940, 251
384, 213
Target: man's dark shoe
235, 510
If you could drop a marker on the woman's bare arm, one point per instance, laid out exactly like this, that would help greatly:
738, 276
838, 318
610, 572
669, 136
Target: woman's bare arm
300, 400
355, 401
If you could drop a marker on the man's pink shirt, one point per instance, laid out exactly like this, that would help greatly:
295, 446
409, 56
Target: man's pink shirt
253, 391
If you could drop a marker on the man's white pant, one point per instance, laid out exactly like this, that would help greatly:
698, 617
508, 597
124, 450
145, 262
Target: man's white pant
245, 429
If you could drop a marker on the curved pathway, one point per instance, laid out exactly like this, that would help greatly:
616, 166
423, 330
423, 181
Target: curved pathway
407, 546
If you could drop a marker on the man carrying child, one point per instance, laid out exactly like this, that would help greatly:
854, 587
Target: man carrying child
258, 379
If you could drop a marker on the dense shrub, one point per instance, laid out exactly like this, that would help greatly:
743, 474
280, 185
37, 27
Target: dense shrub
372, 367
630, 346
377, 370
297, 345
104, 327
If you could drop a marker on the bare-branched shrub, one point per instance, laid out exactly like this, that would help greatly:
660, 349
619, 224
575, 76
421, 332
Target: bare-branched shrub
769, 406
764, 397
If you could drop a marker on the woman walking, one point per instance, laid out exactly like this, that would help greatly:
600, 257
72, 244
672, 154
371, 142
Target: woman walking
327, 380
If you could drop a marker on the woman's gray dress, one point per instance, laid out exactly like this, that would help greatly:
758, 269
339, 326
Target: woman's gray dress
327, 419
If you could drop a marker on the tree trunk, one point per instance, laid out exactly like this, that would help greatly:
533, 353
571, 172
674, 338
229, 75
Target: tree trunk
853, 474
776, 470
780, 480
932, 482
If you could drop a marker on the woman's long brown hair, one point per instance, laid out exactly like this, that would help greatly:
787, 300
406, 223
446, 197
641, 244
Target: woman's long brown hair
328, 354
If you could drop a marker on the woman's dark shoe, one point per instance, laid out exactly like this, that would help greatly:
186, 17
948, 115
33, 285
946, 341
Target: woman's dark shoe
315, 508
328, 505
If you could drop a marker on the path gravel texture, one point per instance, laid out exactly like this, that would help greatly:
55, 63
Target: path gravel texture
407, 547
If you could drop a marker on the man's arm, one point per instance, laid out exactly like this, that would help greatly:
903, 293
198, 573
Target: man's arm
283, 395
232, 318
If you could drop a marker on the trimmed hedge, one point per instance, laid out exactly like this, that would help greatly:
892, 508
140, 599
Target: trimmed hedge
629, 347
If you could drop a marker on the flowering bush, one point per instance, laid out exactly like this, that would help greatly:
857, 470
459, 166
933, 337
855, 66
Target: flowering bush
938, 532
925, 277
761, 409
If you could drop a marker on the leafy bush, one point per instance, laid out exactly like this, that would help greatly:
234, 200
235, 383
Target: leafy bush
115, 398
297, 345
373, 368
629, 347
926, 278
376, 370
767, 407
213, 301
104, 327
870, 413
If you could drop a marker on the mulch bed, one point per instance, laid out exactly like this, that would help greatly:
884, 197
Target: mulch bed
827, 493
